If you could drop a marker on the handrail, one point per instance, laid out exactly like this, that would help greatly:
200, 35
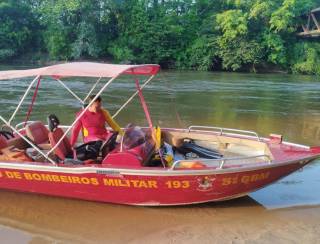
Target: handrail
221, 161
221, 129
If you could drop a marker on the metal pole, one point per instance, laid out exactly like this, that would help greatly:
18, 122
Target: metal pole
94, 86
32, 102
22, 99
148, 117
130, 99
69, 90
315, 21
144, 105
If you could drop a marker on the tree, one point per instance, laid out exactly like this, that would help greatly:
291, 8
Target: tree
16, 28
183, 34
72, 28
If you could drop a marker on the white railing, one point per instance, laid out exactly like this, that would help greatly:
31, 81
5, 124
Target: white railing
224, 131
221, 162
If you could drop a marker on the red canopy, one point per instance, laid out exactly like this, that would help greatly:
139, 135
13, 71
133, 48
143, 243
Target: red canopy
83, 69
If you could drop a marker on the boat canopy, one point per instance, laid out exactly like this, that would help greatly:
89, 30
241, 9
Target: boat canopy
78, 69
83, 69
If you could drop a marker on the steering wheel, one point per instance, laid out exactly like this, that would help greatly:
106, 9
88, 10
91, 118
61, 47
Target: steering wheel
109, 144
6, 133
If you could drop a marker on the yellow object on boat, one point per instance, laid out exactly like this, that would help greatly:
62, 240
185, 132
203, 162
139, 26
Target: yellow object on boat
157, 137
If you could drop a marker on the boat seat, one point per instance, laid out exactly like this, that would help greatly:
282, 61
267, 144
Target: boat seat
3, 142
64, 149
38, 133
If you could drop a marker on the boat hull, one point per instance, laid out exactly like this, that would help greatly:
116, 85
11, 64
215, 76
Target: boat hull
148, 188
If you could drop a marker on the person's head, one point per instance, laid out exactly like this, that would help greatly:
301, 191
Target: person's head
97, 102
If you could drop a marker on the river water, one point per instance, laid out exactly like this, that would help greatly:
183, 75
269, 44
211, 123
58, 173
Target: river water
266, 103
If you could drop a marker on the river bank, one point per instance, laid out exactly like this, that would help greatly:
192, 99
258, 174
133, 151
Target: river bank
40, 59
69, 221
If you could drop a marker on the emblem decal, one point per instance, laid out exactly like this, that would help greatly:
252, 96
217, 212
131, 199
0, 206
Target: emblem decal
205, 183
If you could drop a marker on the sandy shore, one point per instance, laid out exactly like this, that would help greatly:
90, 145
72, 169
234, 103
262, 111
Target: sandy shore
39, 219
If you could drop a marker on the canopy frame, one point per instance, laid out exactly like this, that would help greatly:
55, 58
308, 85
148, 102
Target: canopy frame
22, 99
57, 78
69, 90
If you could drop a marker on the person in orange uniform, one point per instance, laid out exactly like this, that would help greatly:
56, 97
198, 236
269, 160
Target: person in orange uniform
92, 123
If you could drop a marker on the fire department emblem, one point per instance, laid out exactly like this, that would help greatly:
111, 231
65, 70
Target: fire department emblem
205, 183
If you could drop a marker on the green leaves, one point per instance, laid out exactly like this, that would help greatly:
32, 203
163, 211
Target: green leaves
201, 55
73, 28
275, 48
307, 56
16, 23
86, 42
235, 48
185, 34
237, 54
283, 19
57, 44
233, 23
260, 10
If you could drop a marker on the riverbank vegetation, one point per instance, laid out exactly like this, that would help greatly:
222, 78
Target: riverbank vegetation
233, 35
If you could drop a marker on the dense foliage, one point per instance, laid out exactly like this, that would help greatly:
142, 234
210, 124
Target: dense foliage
184, 34
16, 25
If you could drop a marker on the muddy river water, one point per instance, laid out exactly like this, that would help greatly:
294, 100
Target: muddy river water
286, 212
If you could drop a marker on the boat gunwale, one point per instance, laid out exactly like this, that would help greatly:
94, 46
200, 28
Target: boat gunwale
146, 171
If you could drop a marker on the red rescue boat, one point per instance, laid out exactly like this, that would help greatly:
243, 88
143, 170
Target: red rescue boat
145, 166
